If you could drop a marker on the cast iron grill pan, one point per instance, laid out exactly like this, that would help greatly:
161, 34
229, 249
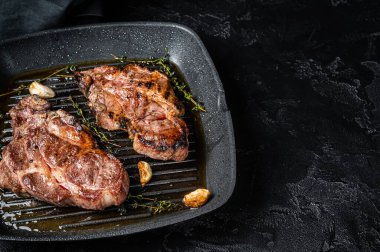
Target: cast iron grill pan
171, 180
211, 162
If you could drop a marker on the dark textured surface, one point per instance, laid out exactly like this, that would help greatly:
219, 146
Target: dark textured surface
305, 123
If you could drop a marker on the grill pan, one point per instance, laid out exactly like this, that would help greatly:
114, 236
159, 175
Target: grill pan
211, 162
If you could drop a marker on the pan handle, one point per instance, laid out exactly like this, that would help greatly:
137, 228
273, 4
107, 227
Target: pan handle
81, 12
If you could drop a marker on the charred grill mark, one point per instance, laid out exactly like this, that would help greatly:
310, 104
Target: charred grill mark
153, 144
146, 142
124, 122
149, 85
182, 142
163, 147
167, 94
178, 105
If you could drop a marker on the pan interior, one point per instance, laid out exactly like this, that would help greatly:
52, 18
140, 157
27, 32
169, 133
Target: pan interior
171, 180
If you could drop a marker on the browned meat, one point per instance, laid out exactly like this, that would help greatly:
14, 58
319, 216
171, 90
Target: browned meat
53, 159
141, 101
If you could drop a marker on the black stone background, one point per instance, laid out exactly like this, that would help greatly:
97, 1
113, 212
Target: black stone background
302, 81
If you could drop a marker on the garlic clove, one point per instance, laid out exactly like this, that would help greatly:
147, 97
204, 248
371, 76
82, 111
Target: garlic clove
196, 198
40, 90
145, 172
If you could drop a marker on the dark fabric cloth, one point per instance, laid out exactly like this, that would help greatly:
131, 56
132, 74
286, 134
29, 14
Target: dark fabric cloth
302, 82
22, 17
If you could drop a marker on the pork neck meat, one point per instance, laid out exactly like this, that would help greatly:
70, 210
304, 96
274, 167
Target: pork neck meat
52, 158
142, 102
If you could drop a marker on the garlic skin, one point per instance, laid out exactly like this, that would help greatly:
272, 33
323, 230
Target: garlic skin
145, 172
196, 198
40, 90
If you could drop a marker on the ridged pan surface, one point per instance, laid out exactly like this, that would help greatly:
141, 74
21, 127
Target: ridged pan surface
211, 160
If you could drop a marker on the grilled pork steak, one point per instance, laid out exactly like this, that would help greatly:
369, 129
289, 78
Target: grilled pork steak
141, 101
53, 159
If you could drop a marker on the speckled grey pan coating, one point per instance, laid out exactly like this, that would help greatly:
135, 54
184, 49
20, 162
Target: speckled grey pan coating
136, 40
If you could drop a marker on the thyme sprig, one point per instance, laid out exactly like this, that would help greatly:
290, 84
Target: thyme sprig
22, 87
91, 126
154, 205
167, 69
70, 69
18, 90
64, 75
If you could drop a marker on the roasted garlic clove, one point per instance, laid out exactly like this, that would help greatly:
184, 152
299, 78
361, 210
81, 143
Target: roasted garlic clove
145, 172
40, 90
196, 198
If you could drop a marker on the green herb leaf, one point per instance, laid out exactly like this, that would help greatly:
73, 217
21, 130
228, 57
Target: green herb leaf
154, 205
18, 90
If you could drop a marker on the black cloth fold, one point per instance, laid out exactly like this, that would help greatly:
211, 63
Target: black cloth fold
22, 16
